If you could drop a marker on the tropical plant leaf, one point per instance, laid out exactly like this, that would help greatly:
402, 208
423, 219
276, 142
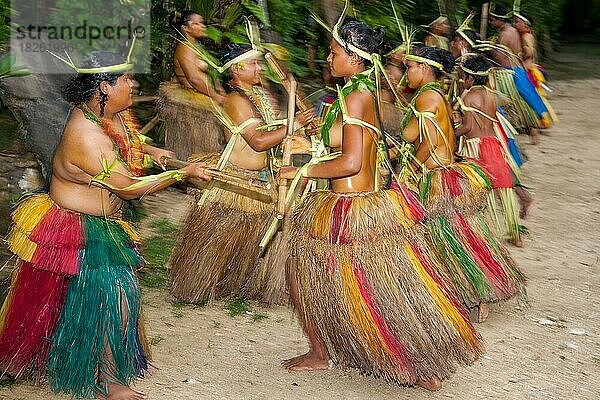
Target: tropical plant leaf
257, 11
280, 52
214, 34
234, 12
7, 62
235, 38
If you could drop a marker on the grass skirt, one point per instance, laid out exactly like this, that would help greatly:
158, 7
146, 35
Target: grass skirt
86, 303
366, 281
473, 257
526, 109
217, 252
190, 124
490, 154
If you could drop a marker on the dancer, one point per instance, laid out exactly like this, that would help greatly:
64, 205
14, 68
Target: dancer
73, 310
437, 36
530, 111
536, 74
217, 254
361, 281
478, 107
185, 103
453, 193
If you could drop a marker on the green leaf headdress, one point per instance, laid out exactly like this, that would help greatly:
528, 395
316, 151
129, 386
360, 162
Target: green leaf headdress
254, 51
517, 12
443, 15
126, 66
493, 12
466, 25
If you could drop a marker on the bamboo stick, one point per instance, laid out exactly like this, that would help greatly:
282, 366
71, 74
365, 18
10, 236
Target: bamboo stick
227, 181
150, 125
485, 8
302, 106
287, 152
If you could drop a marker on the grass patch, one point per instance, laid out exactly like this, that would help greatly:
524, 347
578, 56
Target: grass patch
178, 304
259, 317
139, 212
202, 302
164, 226
157, 250
236, 307
156, 340
153, 280
7, 381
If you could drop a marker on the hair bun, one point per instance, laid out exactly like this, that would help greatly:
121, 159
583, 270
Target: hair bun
378, 34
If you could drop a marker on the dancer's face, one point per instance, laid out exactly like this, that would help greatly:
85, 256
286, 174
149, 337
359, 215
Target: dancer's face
196, 27
415, 72
120, 95
340, 62
249, 71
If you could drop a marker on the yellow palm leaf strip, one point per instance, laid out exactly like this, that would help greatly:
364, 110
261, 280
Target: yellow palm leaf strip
25, 220
444, 304
378, 341
321, 226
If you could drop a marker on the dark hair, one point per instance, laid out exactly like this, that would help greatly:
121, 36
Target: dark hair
231, 51
82, 87
363, 36
470, 33
529, 17
441, 56
477, 63
183, 19
501, 10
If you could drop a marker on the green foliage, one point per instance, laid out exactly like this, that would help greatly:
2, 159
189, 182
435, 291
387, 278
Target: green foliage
236, 306
155, 340
5, 12
259, 317
164, 226
156, 250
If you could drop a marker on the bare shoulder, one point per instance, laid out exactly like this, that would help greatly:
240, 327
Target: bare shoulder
238, 107
357, 102
474, 98
429, 100
234, 101
83, 138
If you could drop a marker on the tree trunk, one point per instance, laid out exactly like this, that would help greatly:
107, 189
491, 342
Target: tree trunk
331, 10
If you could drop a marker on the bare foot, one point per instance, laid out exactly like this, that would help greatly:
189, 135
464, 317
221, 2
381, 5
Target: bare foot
526, 204
483, 311
516, 242
433, 384
310, 361
534, 135
121, 392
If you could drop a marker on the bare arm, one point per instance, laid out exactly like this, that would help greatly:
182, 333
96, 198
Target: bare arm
426, 103
95, 152
194, 72
511, 39
240, 110
468, 117
528, 48
350, 161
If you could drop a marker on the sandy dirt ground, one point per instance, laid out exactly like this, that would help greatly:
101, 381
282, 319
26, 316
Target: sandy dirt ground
548, 350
